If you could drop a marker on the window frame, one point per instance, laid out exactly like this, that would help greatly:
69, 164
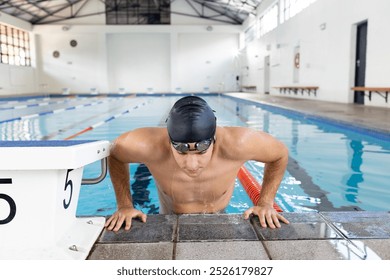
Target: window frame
14, 46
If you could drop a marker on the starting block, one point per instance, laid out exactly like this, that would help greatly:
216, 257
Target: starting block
39, 189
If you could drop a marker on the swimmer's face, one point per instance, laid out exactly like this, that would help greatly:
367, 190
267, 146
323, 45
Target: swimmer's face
193, 162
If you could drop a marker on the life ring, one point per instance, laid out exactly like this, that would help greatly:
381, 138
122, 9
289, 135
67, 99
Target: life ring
297, 60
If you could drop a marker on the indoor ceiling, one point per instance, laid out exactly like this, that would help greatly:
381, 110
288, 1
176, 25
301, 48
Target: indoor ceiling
46, 12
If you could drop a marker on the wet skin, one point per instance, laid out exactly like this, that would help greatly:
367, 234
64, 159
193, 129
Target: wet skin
196, 182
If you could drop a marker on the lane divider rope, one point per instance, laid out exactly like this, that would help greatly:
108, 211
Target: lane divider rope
38, 102
103, 122
56, 111
252, 187
24, 100
33, 105
78, 123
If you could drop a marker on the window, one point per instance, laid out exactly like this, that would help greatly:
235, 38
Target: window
138, 12
250, 34
269, 20
14, 46
289, 8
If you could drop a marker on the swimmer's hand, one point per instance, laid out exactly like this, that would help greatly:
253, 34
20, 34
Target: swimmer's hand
124, 215
267, 215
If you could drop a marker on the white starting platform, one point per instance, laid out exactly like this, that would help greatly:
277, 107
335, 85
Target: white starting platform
39, 189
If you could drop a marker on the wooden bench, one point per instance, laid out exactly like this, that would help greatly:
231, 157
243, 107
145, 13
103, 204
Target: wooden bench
252, 88
382, 91
296, 89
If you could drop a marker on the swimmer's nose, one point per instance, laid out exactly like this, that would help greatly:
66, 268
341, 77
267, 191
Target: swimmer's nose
192, 162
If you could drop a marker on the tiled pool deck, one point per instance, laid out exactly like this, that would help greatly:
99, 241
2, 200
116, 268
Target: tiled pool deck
309, 236
376, 118
222, 237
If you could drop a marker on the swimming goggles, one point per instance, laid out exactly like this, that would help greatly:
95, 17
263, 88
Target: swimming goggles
200, 146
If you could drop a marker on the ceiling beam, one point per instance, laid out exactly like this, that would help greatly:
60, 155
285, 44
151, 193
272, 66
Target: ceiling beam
235, 19
56, 11
19, 8
43, 11
81, 7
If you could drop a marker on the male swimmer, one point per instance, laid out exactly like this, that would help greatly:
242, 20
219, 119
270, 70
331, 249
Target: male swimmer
194, 163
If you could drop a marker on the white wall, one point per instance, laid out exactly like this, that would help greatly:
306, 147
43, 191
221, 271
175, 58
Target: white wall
185, 55
327, 56
16, 80
139, 62
78, 68
207, 61
137, 58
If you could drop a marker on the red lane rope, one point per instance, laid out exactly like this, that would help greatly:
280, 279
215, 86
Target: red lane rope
102, 122
252, 187
78, 133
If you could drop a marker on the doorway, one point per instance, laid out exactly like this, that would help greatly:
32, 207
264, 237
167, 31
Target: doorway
360, 61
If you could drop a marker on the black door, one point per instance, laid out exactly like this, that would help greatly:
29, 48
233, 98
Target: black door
360, 63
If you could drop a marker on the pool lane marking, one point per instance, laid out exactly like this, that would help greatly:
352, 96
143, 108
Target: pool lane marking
24, 100
73, 125
30, 100
104, 122
56, 111
29, 103
33, 105
79, 133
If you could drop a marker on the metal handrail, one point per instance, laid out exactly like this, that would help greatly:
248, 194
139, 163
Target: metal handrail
92, 181
361, 253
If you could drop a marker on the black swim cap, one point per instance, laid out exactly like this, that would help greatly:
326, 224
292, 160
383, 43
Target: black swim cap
191, 120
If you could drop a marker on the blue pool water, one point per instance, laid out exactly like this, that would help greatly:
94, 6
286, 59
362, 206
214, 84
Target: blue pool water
332, 166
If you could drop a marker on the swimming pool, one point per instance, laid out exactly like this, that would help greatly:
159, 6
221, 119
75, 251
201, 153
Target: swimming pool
332, 166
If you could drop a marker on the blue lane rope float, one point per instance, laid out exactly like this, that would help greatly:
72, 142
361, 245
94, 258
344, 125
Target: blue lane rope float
33, 105
56, 111
24, 100
103, 122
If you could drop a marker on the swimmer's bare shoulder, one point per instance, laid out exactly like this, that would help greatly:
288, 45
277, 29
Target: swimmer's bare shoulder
242, 143
140, 145
233, 140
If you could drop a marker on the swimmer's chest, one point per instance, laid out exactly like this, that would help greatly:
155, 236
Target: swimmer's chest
211, 183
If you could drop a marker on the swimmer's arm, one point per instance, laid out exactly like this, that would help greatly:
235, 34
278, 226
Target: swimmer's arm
120, 177
273, 172
275, 156
273, 175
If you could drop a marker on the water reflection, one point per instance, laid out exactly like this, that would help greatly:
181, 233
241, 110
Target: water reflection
356, 177
21, 130
356, 250
295, 137
266, 122
141, 194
